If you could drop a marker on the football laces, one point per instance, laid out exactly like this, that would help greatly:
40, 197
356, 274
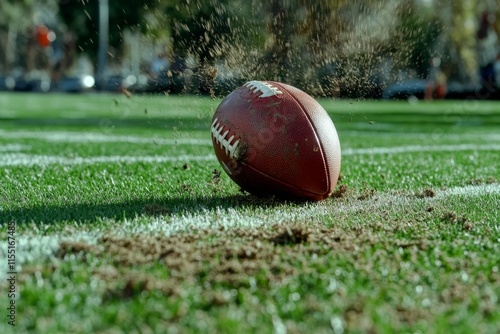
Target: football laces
229, 145
265, 88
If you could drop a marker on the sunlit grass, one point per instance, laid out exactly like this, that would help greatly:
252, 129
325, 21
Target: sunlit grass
106, 244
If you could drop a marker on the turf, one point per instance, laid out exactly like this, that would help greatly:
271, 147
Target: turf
125, 222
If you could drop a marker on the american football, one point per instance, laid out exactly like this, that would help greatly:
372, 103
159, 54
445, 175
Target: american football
360, 145
274, 139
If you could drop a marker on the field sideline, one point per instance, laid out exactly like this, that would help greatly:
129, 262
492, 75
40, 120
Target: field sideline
124, 221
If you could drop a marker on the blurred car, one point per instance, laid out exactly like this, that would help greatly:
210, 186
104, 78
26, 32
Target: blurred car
497, 71
7, 83
136, 83
406, 89
32, 84
455, 91
75, 84
160, 83
111, 83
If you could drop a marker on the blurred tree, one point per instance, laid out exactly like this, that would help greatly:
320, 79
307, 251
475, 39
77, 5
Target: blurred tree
280, 59
324, 45
202, 28
459, 38
20, 12
212, 31
82, 17
415, 38
18, 21
15, 17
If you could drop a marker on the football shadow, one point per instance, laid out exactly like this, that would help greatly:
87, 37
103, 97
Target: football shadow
144, 207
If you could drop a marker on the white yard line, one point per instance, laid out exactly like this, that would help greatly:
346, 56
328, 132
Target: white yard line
14, 148
97, 137
101, 137
20, 159
36, 246
420, 148
233, 217
436, 136
471, 191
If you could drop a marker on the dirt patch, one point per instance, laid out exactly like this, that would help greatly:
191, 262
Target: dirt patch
216, 177
468, 226
247, 199
489, 180
134, 284
411, 315
67, 247
217, 262
46, 270
453, 218
384, 252
340, 192
216, 182
228, 258
366, 194
186, 188
426, 193
290, 236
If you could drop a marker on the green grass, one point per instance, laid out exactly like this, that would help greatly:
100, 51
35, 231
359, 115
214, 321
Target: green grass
122, 225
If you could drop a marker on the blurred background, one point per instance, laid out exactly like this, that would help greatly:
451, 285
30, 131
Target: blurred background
425, 49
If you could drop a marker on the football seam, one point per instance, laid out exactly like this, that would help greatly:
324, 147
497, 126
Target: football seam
220, 138
323, 158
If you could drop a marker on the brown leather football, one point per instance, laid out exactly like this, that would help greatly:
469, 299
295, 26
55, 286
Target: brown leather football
274, 139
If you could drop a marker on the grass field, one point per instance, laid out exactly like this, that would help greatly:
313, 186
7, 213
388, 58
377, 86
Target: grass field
124, 222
